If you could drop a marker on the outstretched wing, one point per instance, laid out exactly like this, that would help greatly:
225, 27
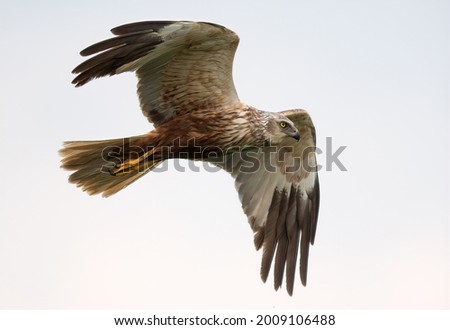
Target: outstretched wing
279, 190
181, 66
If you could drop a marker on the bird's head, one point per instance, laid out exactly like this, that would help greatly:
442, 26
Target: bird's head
280, 127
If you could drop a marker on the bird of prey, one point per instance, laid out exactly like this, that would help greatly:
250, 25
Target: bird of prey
186, 91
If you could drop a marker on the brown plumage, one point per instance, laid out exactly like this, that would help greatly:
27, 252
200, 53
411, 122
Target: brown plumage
186, 90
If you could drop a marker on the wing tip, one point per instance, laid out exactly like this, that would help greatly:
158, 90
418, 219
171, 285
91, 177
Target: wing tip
303, 280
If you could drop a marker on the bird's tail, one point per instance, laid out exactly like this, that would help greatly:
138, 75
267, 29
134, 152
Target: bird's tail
107, 166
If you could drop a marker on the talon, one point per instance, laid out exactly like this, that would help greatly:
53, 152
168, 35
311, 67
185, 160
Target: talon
125, 167
117, 171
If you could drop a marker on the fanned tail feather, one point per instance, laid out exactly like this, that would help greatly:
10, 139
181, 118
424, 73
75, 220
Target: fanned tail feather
107, 166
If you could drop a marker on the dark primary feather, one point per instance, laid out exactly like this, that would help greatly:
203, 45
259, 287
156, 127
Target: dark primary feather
282, 242
304, 219
114, 53
154, 26
270, 235
315, 202
292, 253
140, 37
293, 233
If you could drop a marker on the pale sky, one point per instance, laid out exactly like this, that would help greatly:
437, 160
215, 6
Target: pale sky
375, 77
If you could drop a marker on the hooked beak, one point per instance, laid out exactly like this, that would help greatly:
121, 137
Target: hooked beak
296, 135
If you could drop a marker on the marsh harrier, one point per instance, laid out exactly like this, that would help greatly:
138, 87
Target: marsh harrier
186, 91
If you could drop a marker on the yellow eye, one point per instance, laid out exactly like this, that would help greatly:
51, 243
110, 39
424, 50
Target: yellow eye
283, 124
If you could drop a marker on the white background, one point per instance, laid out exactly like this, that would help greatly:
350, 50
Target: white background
374, 76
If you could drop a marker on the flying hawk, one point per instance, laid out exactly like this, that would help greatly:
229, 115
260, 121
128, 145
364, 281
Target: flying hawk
186, 91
